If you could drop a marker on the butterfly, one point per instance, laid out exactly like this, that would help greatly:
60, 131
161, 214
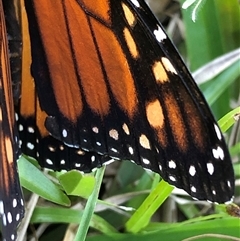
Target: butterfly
11, 199
111, 85
108, 84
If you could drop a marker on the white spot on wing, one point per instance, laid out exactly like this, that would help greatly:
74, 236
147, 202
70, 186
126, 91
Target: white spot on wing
144, 142
14, 202
218, 153
49, 162
125, 128
93, 158
130, 149
168, 65
20, 127
172, 178
193, 189
109, 162
1, 207
145, 161
80, 152
4, 220
136, 3
51, 148
114, 150
172, 164
30, 129
95, 129
159, 34
192, 171
64, 133
210, 168
30, 146
114, 134
9, 217
218, 132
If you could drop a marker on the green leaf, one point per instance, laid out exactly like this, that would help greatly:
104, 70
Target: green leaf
229, 119
180, 231
143, 214
74, 183
234, 151
221, 83
34, 180
215, 32
90, 206
65, 215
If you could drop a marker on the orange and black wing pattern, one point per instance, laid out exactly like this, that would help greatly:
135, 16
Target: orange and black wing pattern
11, 200
109, 84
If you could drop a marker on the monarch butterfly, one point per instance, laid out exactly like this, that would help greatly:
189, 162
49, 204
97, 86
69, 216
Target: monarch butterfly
109, 84
11, 200
148, 109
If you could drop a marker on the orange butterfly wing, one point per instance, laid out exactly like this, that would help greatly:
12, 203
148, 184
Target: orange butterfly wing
11, 200
112, 86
